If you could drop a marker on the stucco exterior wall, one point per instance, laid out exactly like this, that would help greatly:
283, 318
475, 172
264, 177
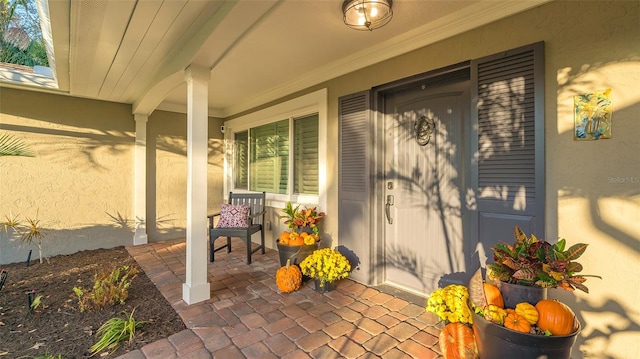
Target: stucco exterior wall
592, 188
80, 183
167, 173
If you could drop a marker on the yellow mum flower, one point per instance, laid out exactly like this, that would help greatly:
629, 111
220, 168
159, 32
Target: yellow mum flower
326, 265
450, 304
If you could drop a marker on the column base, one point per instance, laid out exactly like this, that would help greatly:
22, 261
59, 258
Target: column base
196, 293
140, 238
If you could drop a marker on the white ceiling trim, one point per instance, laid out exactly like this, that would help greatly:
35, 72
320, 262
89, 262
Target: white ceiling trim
171, 74
466, 19
154, 96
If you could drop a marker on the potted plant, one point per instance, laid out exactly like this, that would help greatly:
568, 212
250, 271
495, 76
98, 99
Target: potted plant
451, 305
547, 329
303, 237
529, 325
325, 266
535, 265
306, 219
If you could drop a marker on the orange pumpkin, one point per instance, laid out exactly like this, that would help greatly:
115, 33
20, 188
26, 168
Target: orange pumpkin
296, 240
493, 295
556, 317
528, 311
288, 278
515, 321
284, 238
457, 342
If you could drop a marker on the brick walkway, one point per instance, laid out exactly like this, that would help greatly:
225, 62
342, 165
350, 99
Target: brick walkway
248, 317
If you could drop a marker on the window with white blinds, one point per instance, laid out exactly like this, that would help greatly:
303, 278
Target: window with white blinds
269, 153
305, 153
264, 154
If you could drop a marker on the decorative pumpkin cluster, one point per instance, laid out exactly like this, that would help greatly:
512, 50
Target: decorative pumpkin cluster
548, 317
451, 304
295, 239
326, 265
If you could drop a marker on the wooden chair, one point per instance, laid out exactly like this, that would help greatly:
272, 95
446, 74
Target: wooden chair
256, 202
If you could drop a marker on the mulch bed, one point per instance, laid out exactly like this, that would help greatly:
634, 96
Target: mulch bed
57, 327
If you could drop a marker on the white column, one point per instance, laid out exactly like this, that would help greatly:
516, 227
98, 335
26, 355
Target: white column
197, 288
140, 181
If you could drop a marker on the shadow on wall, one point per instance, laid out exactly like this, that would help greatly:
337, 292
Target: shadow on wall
62, 242
76, 156
58, 241
351, 256
615, 179
167, 173
605, 321
601, 184
90, 145
162, 227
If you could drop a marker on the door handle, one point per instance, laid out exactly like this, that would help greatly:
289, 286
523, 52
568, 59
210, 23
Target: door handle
387, 208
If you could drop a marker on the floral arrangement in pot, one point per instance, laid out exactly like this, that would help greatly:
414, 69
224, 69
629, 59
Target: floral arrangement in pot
531, 262
535, 264
326, 265
297, 217
298, 242
520, 332
481, 321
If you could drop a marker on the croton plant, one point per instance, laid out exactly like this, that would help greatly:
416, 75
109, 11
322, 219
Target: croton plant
532, 262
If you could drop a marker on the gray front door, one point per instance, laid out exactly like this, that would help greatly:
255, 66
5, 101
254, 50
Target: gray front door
426, 178
481, 173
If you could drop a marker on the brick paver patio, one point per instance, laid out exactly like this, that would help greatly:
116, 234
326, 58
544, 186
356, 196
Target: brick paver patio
248, 317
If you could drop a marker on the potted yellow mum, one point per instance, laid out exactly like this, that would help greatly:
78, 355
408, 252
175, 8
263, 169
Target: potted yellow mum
450, 304
325, 266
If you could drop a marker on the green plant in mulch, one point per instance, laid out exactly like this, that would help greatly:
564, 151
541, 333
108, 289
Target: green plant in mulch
114, 331
37, 301
109, 288
29, 232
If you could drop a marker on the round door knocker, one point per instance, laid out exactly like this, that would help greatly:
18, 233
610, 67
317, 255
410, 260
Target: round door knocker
424, 129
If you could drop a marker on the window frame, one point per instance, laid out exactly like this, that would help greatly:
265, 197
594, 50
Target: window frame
312, 103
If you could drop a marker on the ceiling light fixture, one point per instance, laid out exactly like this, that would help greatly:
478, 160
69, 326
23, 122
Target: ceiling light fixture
366, 14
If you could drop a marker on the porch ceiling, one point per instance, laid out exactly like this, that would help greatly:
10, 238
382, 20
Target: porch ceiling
135, 51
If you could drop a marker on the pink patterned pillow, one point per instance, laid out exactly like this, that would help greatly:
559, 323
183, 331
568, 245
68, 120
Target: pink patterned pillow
234, 216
